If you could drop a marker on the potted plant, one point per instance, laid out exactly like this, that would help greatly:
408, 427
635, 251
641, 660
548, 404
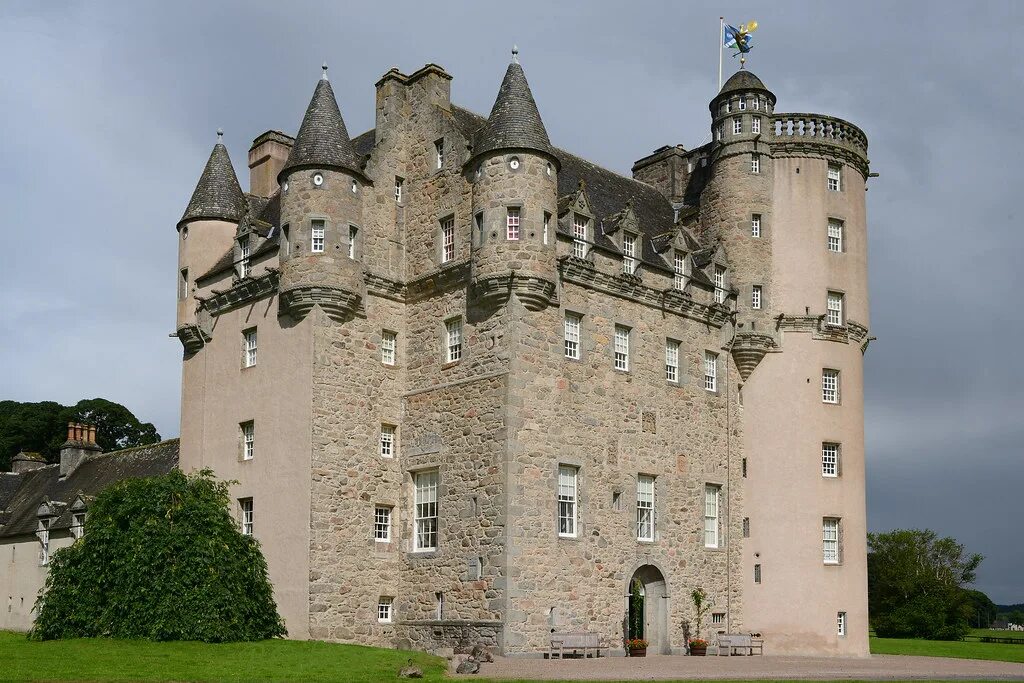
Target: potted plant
701, 606
698, 647
637, 647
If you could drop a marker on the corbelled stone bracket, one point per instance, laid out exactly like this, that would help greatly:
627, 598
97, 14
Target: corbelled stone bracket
748, 349
192, 338
535, 293
339, 304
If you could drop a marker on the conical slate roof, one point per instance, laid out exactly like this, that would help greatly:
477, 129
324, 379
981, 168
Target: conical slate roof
218, 194
514, 122
323, 140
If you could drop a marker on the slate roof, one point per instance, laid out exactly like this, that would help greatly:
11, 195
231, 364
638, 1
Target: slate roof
92, 475
263, 213
744, 80
323, 140
218, 194
514, 122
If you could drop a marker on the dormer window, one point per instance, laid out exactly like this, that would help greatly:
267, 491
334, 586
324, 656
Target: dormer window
43, 534
579, 236
439, 153
77, 525
679, 269
719, 285
243, 263
628, 254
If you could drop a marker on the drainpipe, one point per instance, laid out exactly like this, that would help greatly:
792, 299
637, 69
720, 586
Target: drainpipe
728, 480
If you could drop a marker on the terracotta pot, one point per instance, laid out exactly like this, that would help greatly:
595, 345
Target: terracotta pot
698, 650
638, 652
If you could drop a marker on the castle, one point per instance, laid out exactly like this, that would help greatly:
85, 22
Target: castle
472, 387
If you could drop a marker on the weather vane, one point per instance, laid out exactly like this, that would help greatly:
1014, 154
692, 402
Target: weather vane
739, 39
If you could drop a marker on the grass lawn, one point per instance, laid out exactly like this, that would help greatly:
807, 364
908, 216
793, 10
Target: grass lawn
993, 633
940, 648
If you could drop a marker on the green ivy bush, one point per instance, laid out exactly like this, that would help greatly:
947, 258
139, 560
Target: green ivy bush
161, 559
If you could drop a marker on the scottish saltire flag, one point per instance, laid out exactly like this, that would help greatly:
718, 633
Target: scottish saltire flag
737, 39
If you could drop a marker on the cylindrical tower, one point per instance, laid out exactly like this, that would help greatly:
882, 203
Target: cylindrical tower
322, 187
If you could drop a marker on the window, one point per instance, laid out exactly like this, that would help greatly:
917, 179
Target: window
757, 103
447, 239
384, 609
737, 126
718, 131
388, 347
743, 467
757, 573
287, 239
835, 235
579, 236
719, 284
829, 386
835, 309
352, 232
512, 223
835, 178
246, 505
478, 219
629, 254
755, 163
710, 371
841, 623
728, 107
318, 237
248, 440
567, 488
249, 340
671, 360
746, 527
830, 540
645, 508
755, 122
717, 618
183, 285
743, 103
43, 534
755, 225
547, 225
755, 297
399, 184
387, 441
679, 268
621, 347
425, 512
830, 459
711, 495
439, 153
77, 525
243, 263
439, 606
572, 335
453, 345
382, 524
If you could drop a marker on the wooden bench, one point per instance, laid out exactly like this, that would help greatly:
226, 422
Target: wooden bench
574, 643
740, 643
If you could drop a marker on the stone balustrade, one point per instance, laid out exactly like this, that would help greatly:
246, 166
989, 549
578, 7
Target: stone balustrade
816, 128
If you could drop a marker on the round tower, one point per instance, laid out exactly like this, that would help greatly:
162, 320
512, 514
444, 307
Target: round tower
322, 186
514, 172
205, 232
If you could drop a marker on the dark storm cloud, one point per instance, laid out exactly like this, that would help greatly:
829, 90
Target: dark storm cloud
108, 113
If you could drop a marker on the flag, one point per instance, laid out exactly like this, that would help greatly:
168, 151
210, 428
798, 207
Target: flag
737, 38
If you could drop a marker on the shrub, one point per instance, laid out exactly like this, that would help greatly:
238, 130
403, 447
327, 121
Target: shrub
162, 559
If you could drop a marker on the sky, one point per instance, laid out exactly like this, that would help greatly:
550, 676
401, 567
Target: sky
108, 111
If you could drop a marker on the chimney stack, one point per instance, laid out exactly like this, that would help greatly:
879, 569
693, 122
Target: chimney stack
81, 442
26, 462
267, 157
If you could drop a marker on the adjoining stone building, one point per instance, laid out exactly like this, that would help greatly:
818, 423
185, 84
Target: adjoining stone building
471, 385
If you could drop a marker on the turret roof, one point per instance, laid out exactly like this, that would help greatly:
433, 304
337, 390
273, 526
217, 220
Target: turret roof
514, 122
743, 80
323, 140
218, 194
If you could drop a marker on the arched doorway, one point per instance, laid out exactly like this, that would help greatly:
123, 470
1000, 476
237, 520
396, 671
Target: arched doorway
647, 609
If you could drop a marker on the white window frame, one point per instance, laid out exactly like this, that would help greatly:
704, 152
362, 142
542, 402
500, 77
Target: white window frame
318, 237
719, 285
671, 361
388, 347
77, 527
679, 270
43, 534
248, 440
755, 297
399, 186
835, 177
711, 371
830, 454
425, 510
568, 499
834, 306
645, 507
712, 513
830, 553
247, 516
385, 609
621, 348
439, 153
513, 215
244, 249
841, 624
448, 239
547, 226
629, 253
579, 235
835, 235
382, 523
388, 440
249, 341
572, 325
830, 386
353, 233
755, 225
743, 103
453, 340
755, 123
737, 125
755, 163
717, 618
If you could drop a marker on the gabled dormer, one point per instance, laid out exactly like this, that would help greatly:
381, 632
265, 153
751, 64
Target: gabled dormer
576, 220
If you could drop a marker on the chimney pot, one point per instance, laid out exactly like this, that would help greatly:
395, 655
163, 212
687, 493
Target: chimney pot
71, 431
92, 434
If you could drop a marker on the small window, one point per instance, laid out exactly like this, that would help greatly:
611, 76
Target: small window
425, 510
183, 285
628, 254
746, 527
728, 107
711, 496
243, 262
512, 223
249, 337
547, 222
645, 508
439, 606
318, 179
317, 245
248, 440
710, 371
829, 459
717, 618
737, 125
679, 270
387, 440
43, 534
478, 221
355, 187
567, 489
757, 573
755, 225
579, 236
841, 624
353, 231
385, 607
388, 347
77, 525
439, 153
286, 238
719, 285
382, 524
755, 123
671, 360
743, 467
755, 163
756, 102
245, 504
835, 309
399, 186
829, 386
835, 178
830, 540
447, 239
835, 235
453, 340
743, 103
755, 297
573, 322
622, 348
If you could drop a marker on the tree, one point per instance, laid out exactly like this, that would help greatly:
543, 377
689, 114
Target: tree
915, 585
162, 559
116, 426
983, 610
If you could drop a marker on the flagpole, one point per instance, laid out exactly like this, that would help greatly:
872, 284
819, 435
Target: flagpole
721, 42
